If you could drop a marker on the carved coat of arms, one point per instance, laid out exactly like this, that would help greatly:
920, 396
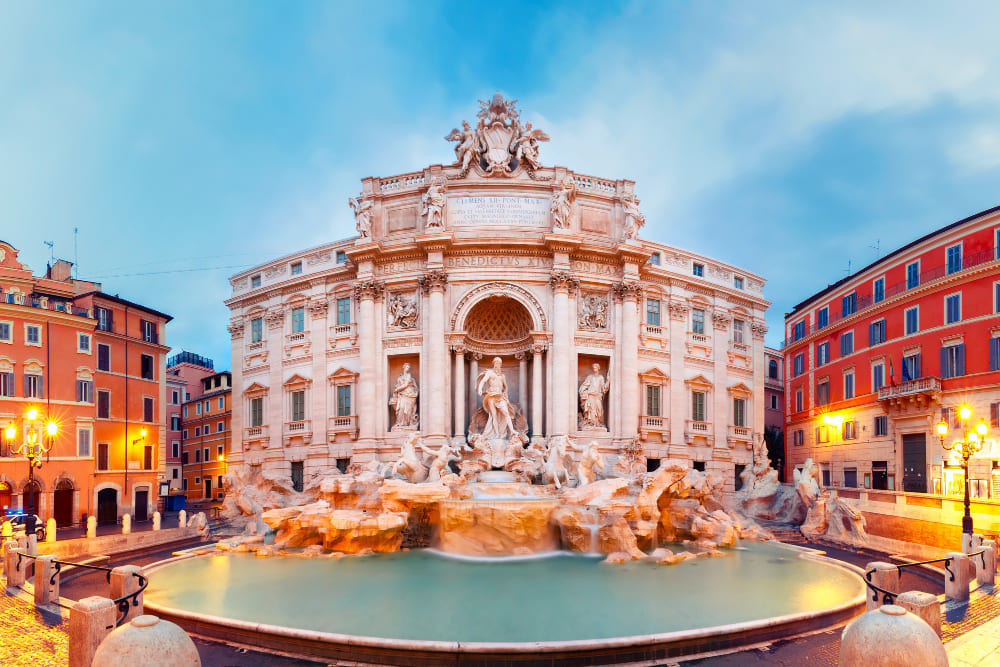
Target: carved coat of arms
498, 144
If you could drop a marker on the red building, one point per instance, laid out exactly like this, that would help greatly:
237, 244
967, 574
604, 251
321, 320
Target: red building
185, 372
93, 364
207, 437
876, 360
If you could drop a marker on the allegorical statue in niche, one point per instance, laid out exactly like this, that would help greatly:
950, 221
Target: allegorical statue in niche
562, 204
634, 219
402, 311
404, 399
592, 393
492, 387
362, 208
468, 148
434, 204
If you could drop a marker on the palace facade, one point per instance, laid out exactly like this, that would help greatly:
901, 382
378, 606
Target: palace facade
341, 351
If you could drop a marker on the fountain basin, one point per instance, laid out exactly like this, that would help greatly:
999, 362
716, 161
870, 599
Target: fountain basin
425, 608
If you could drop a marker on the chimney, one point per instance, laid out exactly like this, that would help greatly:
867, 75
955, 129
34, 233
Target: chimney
61, 271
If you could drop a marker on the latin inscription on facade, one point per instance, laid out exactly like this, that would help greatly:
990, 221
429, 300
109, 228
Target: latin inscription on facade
517, 211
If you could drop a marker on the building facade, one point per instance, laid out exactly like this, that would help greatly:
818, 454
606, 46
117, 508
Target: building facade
774, 407
341, 351
876, 360
207, 437
185, 373
93, 365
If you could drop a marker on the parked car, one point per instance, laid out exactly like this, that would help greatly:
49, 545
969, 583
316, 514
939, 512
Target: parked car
19, 524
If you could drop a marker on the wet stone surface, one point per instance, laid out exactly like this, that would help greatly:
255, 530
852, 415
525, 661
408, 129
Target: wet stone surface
30, 636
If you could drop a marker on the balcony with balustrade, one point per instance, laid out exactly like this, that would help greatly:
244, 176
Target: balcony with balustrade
300, 429
253, 434
655, 427
698, 432
740, 435
343, 425
917, 395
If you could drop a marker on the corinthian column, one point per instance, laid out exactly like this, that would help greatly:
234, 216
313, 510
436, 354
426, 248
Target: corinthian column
369, 407
628, 391
434, 373
536, 393
522, 382
458, 377
563, 381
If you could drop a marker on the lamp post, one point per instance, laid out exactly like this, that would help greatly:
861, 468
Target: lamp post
971, 442
33, 448
142, 436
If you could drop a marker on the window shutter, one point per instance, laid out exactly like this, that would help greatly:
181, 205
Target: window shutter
995, 354
24, 378
994, 414
916, 367
960, 362
41, 386
10, 384
871, 334
944, 363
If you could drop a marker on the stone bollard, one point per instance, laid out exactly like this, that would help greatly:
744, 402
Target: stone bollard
126, 523
971, 542
886, 576
50, 530
956, 583
148, 640
8, 558
123, 582
182, 518
890, 636
46, 585
91, 527
924, 606
986, 566
6, 531
156, 520
16, 571
33, 544
90, 621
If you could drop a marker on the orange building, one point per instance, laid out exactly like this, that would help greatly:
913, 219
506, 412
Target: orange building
875, 361
185, 372
207, 437
93, 364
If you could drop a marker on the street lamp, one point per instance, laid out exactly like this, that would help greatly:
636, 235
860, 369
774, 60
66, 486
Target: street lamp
142, 436
971, 442
33, 448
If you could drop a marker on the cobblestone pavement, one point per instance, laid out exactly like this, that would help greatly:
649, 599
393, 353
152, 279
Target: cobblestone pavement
959, 619
30, 636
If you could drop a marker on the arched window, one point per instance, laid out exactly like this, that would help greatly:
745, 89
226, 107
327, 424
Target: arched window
772, 369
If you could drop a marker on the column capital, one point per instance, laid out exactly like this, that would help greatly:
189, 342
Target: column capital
319, 307
720, 320
520, 356
434, 279
758, 330
563, 281
235, 330
368, 289
275, 316
627, 291
458, 348
678, 310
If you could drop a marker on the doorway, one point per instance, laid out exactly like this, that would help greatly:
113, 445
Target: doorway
5, 498
208, 488
915, 462
141, 508
29, 498
107, 506
62, 503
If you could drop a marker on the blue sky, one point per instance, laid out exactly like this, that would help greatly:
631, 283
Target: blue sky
787, 138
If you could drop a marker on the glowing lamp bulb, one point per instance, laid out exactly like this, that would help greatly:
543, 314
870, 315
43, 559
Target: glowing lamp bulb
143, 433
11, 432
965, 412
32, 414
981, 427
973, 436
942, 428
51, 428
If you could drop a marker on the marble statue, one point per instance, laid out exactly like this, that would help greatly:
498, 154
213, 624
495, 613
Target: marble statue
362, 208
557, 461
562, 204
592, 393
467, 149
585, 468
403, 311
410, 465
444, 455
526, 145
634, 218
404, 399
434, 202
492, 386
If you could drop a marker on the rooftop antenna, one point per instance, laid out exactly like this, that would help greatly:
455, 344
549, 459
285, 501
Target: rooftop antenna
76, 256
52, 252
848, 267
876, 248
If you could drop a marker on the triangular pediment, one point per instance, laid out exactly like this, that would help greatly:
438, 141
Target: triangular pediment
653, 374
342, 373
740, 388
699, 380
296, 379
255, 388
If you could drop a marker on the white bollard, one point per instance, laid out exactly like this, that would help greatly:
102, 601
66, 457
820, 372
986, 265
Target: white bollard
46, 585
885, 576
147, 640
924, 606
9, 558
123, 582
15, 570
6, 531
50, 530
182, 518
126, 523
985, 564
971, 542
890, 635
90, 621
956, 577
91, 527
33, 544
156, 520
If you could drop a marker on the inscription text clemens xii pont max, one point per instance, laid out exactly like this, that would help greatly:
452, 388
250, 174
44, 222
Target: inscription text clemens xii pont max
521, 211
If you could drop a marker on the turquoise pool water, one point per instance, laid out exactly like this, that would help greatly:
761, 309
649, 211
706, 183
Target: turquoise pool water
429, 596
